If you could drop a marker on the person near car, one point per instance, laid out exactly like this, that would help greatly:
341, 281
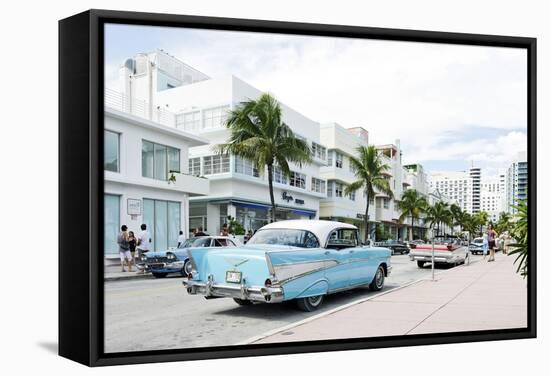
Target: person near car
225, 230
143, 241
124, 248
200, 232
132, 242
491, 238
485, 245
507, 242
181, 239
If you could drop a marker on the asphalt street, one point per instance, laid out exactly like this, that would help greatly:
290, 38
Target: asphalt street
158, 314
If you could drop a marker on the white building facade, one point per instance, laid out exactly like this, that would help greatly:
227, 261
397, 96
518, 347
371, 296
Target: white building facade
456, 185
493, 196
237, 189
140, 156
516, 182
341, 144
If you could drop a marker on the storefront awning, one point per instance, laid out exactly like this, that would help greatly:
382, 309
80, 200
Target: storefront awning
304, 212
250, 205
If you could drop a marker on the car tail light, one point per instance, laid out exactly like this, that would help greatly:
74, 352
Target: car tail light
190, 276
412, 245
449, 247
268, 283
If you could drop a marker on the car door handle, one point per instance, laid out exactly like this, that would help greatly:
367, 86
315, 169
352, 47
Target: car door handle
327, 252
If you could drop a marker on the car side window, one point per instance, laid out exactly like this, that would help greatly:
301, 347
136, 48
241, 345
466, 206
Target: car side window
218, 243
343, 238
311, 241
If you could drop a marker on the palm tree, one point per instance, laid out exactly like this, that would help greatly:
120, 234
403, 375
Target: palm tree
503, 222
456, 213
520, 233
370, 170
481, 219
438, 214
259, 134
412, 204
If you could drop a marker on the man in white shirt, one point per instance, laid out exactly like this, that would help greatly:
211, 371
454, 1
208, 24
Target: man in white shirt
181, 239
143, 240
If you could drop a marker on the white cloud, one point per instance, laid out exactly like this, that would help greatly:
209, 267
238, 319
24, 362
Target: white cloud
413, 91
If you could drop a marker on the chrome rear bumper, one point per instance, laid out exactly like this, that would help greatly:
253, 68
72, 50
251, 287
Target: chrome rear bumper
240, 291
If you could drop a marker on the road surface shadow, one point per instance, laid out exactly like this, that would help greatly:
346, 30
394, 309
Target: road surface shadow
288, 309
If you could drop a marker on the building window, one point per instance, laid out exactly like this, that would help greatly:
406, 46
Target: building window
329, 189
329, 161
216, 164
339, 158
214, 117
190, 121
159, 161
163, 220
352, 195
111, 155
278, 175
317, 185
195, 166
338, 189
111, 223
386, 203
297, 180
246, 167
318, 151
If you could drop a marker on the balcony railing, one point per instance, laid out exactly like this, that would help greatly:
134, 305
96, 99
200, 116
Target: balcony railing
138, 107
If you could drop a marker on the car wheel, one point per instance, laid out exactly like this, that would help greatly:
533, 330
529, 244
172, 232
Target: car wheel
242, 302
310, 303
187, 267
420, 264
378, 281
159, 275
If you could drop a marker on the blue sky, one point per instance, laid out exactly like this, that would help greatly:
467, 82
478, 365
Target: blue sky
449, 105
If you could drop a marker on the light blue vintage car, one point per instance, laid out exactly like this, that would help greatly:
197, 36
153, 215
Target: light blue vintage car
301, 260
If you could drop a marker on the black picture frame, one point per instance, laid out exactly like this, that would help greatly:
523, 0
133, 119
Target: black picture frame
81, 183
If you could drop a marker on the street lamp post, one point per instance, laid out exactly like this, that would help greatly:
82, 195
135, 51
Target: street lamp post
433, 258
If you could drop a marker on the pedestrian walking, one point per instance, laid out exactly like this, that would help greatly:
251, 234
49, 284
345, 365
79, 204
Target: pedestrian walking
181, 239
132, 241
491, 237
124, 248
485, 246
142, 246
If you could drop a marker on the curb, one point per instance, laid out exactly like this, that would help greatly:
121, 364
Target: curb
128, 278
270, 333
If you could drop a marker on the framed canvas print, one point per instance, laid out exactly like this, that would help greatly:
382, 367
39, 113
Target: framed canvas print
253, 187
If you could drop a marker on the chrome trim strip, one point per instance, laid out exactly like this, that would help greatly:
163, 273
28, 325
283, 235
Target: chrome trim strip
254, 293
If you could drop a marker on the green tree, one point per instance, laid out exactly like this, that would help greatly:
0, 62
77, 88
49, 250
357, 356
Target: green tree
503, 223
438, 215
456, 214
370, 170
481, 218
519, 233
259, 134
412, 204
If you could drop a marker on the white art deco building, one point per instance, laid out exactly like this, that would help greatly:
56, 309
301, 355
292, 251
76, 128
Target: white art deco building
163, 89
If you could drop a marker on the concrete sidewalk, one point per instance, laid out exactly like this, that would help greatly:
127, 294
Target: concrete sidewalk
480, 296
115, 273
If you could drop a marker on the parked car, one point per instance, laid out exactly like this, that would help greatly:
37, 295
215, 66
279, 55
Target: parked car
447, 251
416, 242
176, 260
394, 246
476, 246
295, 260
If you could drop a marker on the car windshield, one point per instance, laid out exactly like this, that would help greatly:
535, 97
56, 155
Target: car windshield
478, 240
290, 237
196, 242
